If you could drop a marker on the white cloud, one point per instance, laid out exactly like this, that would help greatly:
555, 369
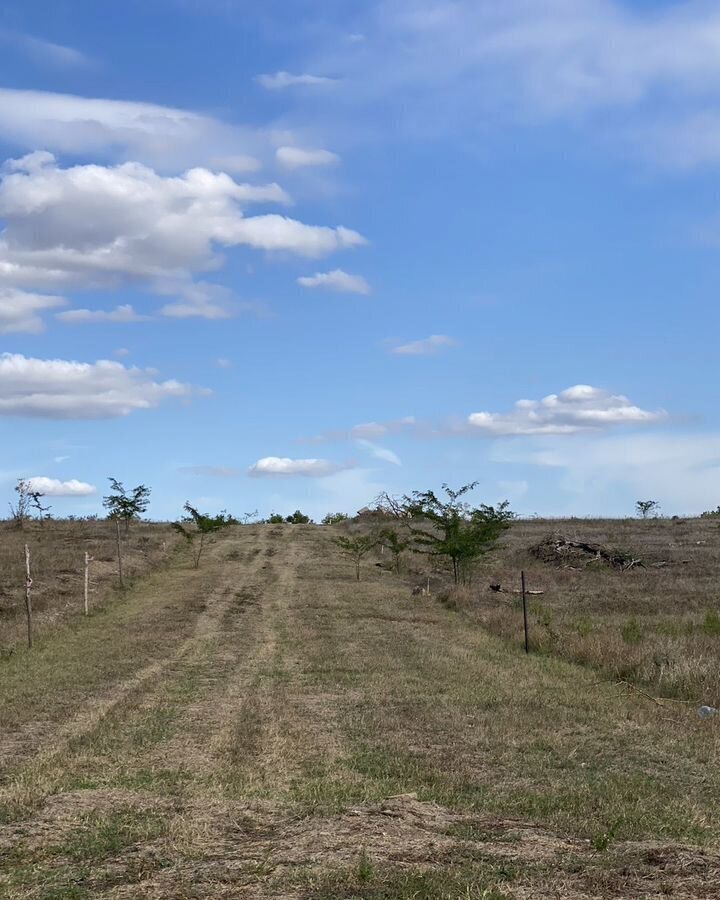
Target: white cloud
90, 225
337, 280
121, 351
379, 452
281, 80
271, 466
577, 409
158, 135
223, 363
64, 389
51, 487
19, 310
298, 157
45, 52
121, 314
429, 346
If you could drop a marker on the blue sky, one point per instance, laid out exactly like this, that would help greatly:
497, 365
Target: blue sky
293, 254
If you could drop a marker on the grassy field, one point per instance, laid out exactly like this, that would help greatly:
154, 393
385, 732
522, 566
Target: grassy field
266, 726
58, 569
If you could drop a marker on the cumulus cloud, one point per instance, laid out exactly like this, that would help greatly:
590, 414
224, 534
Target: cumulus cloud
20, 310
281, 80
577, 409
337, 280
299, 158
158, 135
429, 346
90, 225
52, 487
121, 314
274, 466
64, 389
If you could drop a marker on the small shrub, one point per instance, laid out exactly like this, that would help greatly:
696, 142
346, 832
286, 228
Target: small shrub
298, 518
632, 632
711, 622
365, 870
584, 626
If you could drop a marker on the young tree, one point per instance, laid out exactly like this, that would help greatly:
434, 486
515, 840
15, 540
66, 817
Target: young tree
126, 505
645, 508
205, 527
275, 519
395, 544
457, 531
357, 548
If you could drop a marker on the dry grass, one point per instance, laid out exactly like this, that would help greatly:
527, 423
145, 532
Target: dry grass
656, 626
267, 727
57, 567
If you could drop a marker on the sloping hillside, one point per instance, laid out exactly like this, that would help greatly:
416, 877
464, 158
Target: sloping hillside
266, 726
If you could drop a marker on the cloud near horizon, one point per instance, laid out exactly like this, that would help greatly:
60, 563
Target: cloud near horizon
274, 466
52, 487
576, 409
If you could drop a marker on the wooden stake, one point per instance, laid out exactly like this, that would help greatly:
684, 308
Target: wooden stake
28, 597
525, 618
88, 560
119, 552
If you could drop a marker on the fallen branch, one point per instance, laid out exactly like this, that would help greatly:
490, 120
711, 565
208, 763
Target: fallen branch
499, 589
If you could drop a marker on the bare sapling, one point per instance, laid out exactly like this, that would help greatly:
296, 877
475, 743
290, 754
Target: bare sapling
28, 597
27, 499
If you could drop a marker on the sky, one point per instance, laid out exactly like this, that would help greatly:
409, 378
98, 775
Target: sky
293, 254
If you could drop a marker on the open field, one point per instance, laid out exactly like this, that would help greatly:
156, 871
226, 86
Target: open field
58, 569
267, 727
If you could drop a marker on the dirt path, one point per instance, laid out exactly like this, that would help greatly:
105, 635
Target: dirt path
266, 727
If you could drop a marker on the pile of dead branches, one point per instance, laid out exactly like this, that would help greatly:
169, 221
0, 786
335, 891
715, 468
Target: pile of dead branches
574, 554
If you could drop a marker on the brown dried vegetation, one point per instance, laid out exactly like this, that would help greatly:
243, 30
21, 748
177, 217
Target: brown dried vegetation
268, 727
